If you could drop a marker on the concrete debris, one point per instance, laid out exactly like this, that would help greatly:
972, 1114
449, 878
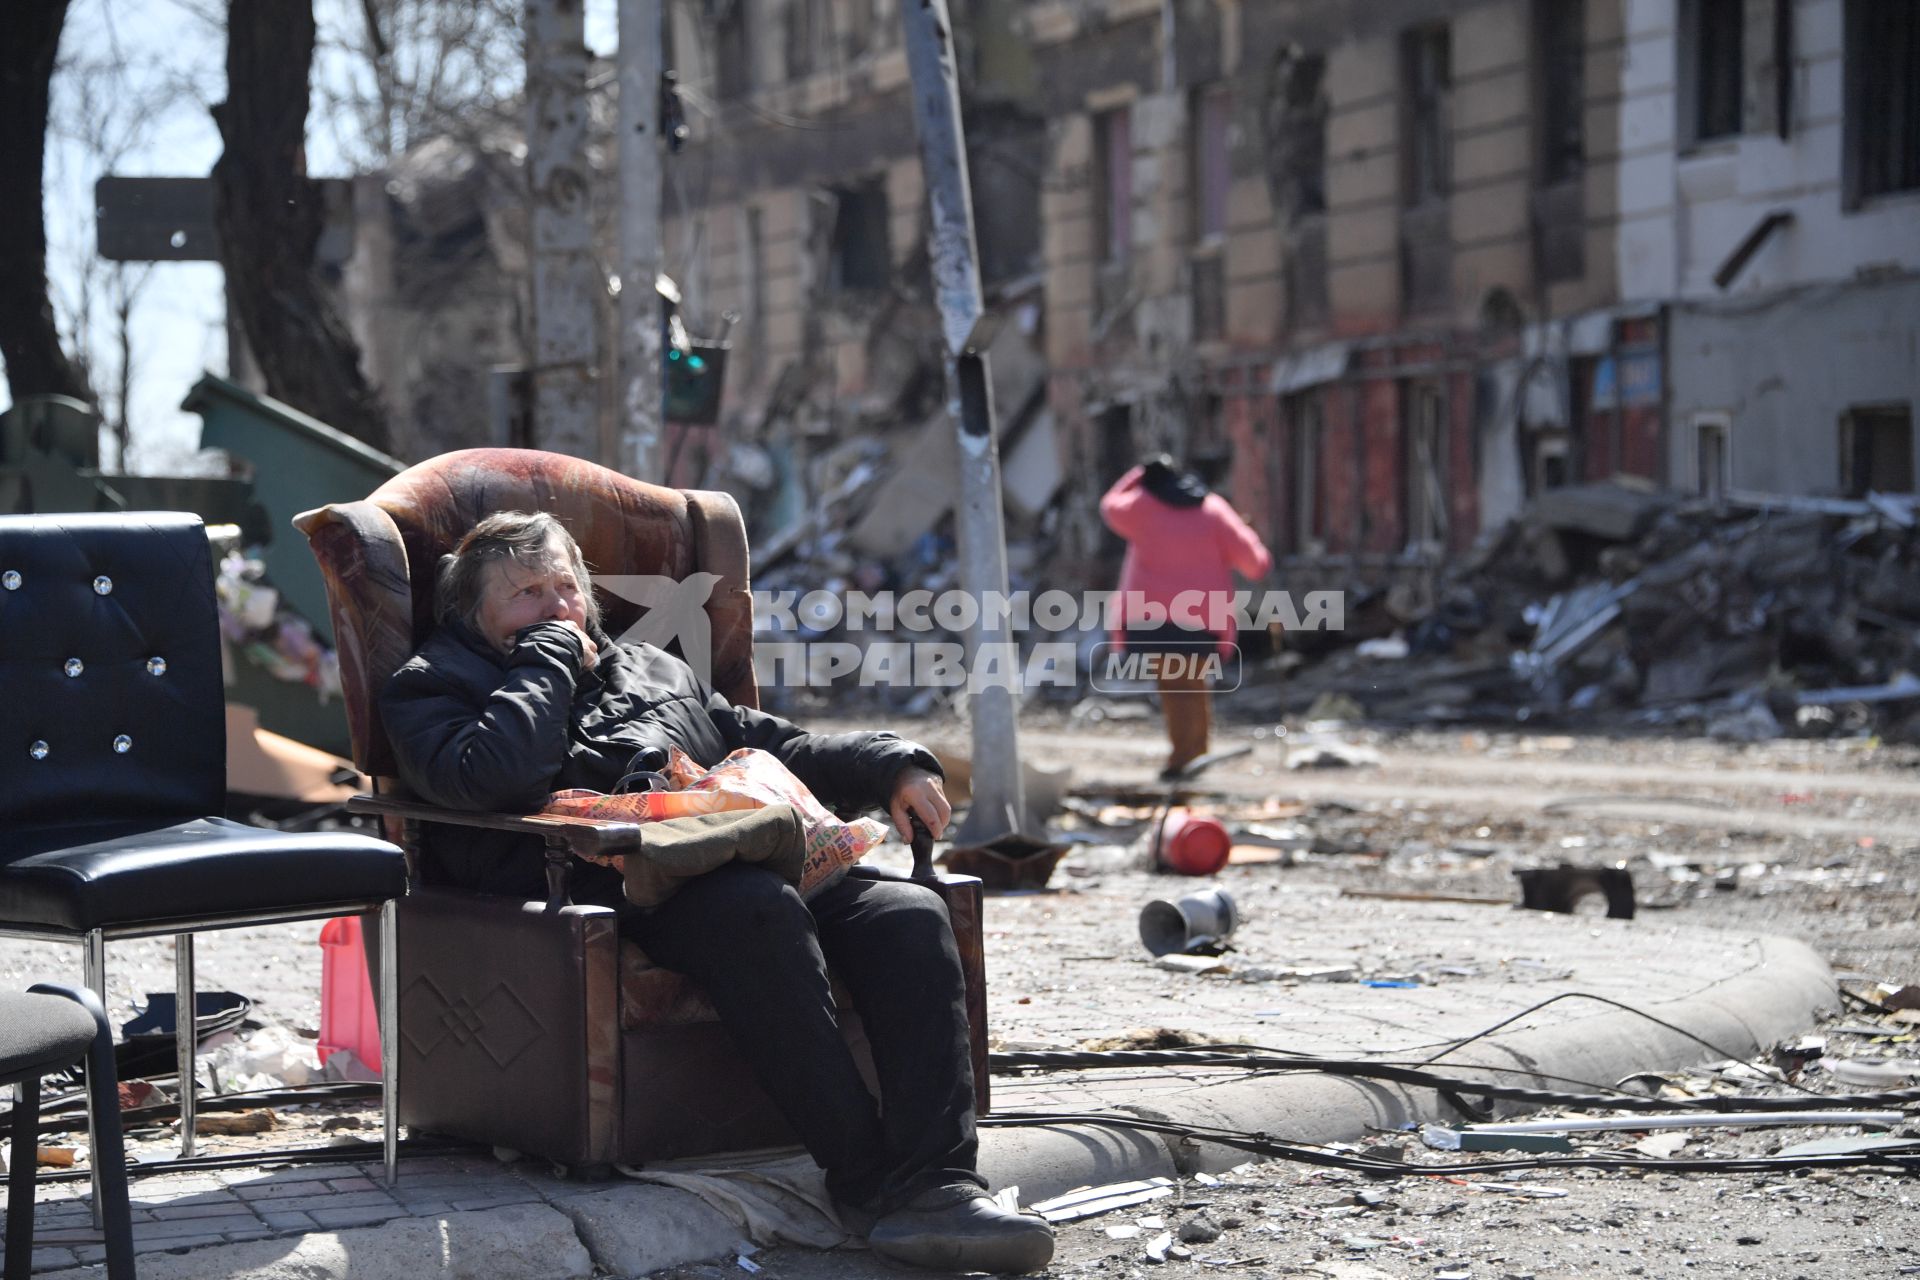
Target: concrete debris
1618, 606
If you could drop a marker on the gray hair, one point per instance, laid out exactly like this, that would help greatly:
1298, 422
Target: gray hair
527, 538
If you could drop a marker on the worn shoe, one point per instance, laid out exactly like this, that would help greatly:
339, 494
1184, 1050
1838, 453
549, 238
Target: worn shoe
968, 1235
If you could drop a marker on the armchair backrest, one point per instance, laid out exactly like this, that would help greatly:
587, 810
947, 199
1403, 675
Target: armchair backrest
112, 704
379, 556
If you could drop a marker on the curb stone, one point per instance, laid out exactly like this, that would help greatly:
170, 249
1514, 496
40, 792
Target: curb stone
638, 1229
514, 1242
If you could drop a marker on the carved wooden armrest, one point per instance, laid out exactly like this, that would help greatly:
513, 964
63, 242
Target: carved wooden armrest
562, 835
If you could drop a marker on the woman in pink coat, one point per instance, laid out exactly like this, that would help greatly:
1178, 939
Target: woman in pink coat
1184, 544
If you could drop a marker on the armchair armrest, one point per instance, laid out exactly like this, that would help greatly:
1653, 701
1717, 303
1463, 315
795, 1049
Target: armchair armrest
562, 835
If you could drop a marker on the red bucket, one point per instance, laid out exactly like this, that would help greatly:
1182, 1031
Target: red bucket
348, 1018
1193, 844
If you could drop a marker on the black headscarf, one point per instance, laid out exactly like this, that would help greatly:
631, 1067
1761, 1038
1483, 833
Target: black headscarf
1170, 484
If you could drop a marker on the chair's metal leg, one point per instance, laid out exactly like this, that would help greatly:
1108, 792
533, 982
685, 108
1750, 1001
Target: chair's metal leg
93, 968
109, 1157
26, 1138
185, 1010
390, 1036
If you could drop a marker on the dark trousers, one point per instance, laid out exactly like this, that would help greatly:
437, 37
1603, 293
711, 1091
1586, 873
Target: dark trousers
762, 953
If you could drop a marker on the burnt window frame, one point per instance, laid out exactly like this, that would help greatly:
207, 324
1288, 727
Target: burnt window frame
1560, 106
1426, 115
1871, 159
1113, 186
1856, 450
1211, 109
1713, 72
859, 249
732, 50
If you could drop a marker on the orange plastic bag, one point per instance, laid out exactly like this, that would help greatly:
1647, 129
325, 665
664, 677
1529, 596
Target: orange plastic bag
747, 779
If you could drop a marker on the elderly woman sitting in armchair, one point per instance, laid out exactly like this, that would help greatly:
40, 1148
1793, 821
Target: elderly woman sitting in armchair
518, 693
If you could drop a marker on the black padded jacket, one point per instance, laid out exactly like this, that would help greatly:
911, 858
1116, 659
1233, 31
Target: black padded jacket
476, 729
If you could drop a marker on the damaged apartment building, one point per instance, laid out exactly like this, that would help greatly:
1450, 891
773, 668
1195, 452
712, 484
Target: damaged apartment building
1385, 270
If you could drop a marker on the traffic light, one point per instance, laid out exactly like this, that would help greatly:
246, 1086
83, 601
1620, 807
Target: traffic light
696, 373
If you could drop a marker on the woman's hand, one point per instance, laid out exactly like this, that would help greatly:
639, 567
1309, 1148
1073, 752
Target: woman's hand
917, 792
589, 651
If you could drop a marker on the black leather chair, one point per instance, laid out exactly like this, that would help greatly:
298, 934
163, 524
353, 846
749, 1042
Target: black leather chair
49, 1029
113, 754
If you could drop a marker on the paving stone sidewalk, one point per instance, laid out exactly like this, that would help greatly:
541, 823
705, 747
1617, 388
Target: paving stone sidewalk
1065, 967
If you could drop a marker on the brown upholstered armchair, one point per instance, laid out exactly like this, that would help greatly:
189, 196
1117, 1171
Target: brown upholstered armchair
531, 1025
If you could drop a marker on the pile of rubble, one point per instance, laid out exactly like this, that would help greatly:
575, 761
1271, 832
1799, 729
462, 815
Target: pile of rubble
1616, 604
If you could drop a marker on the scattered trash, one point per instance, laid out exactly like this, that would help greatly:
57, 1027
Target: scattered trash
1193, 844
1085, 1202
1383, 648
1332, 755
1526, 1189
1872, 1073
232, 1123
1662, 1146
1149, 1038
1195, 921
1010, 862
60, 1157
1159, 1247
1441, 1138
1714, 1120
1849, 1146
1572, 890
1191, 964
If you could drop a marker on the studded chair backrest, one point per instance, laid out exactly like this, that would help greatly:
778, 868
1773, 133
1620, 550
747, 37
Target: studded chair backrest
378, 558
112, 705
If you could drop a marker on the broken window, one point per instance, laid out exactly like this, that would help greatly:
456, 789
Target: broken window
1296, 128
1426, 230
1212, 115
1876, 450
805, 28
1306, 421
753, 269
1113, 183
1712, 456
1006, 154
1426, 80
732, 51
1713, 42
860, 259
1424, 489
1294, 119
1882, 98
1559, 28
1559, 196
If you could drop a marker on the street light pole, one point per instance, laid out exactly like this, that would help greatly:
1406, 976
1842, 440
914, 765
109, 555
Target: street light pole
999, 802
639, 354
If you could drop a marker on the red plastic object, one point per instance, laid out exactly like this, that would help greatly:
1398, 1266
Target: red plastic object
1193, 844
348, 1019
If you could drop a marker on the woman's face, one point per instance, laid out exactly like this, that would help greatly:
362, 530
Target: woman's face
516, 595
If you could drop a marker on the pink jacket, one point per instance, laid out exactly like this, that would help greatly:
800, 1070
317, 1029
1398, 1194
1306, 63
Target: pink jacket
1180, 558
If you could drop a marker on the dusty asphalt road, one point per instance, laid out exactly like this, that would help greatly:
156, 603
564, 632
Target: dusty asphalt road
1814, 839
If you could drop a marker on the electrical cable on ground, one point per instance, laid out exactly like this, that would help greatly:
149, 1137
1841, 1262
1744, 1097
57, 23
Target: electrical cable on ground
1267, 1145
1368, 1069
